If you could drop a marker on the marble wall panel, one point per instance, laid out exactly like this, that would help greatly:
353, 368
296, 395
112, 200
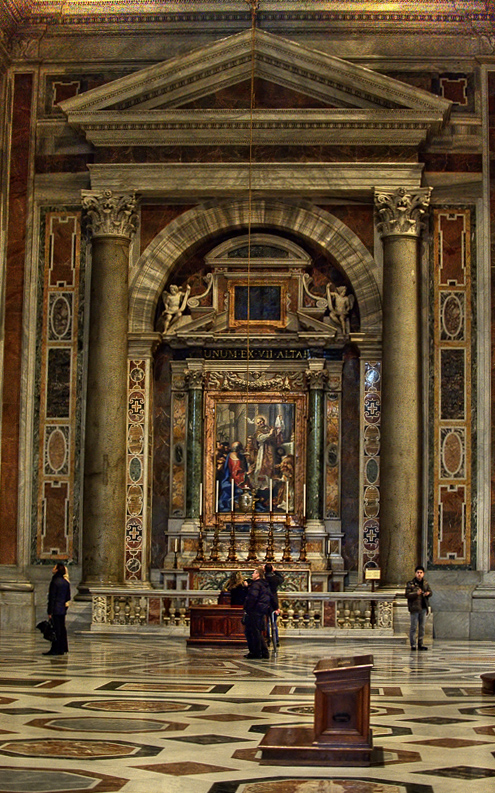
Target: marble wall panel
57, 86
370, 422
454, 624
138, 500
155, 218
161, 456
332, 456
59, 376
453, 475
491, 116
268, 95
275, 153
350, 498
359, 219
18, 186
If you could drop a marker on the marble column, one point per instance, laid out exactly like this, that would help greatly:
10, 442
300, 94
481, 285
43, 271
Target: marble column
111, 220
400, 215
194, 380
316, 378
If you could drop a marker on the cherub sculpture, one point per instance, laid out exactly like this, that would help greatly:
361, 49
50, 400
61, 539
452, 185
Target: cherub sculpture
174, 302
340, 305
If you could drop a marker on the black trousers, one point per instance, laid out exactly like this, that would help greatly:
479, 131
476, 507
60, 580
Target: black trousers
253, 630
59, 646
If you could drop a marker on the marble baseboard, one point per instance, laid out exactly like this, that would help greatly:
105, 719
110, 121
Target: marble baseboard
482, 625
17, 611
452, 625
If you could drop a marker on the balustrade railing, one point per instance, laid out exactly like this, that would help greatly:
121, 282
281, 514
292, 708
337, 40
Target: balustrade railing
335, 612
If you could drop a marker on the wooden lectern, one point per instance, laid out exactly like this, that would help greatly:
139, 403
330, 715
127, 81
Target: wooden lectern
341, 734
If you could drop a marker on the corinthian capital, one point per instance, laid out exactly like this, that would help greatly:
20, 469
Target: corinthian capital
109, 214
316, 379
194, 379
401, 211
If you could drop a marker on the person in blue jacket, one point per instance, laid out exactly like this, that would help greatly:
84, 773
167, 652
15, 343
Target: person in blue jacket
58, 599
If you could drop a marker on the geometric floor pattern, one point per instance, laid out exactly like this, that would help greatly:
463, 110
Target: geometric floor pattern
148, 715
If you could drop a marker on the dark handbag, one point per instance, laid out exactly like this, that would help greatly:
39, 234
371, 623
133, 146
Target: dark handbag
47, 629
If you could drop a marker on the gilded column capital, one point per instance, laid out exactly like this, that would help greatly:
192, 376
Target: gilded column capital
401, 212
194, 379
316, 379
107, 214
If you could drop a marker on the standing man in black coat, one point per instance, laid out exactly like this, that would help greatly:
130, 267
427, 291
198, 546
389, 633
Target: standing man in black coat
258, 603
58, 598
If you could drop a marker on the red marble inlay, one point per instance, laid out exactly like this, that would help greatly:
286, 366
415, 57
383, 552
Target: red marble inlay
453, 269
63, 231
56, 501
267, 95
155, 218
452, 529
14, 286
183, 769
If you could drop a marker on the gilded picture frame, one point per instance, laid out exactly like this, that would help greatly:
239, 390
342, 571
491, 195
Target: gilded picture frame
255, 457
267, 303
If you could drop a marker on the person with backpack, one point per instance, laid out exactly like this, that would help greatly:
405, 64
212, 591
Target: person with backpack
258, 604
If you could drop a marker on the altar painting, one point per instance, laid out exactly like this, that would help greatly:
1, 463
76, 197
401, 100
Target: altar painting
258, 446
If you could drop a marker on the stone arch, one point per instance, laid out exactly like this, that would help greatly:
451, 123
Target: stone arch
202, 222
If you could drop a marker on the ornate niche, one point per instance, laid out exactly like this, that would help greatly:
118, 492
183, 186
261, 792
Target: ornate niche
255, 288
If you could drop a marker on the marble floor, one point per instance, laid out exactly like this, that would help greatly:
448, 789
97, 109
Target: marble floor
146, 715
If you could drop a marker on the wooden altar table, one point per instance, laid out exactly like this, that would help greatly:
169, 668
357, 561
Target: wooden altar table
216, 625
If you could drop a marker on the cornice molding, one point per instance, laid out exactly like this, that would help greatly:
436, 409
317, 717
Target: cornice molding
78, 12
364, 107
179, 80
283, 127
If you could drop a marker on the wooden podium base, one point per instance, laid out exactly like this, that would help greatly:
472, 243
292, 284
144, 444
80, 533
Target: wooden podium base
341, 732
488, 683
296, 746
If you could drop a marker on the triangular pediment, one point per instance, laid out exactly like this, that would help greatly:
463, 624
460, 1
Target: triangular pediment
188, 97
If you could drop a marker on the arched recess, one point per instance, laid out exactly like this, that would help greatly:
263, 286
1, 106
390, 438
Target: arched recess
305, 220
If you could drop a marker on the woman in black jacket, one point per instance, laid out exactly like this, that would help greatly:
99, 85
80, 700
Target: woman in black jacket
58, 599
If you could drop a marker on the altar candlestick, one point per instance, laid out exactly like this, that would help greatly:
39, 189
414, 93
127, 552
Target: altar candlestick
271, 499
200, 499
304, 500
176, 546
287, 495
232, 496
216, 497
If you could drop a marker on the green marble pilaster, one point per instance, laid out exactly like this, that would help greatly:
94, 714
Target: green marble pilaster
314, 466
194, 443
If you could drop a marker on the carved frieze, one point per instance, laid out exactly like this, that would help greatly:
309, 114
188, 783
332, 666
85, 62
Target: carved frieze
108, 214
401, 211
255, 381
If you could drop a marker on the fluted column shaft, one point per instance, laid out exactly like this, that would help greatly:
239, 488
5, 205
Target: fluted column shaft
111, 220
401, 456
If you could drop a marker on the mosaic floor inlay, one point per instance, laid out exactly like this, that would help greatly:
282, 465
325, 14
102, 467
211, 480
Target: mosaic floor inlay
147, 715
